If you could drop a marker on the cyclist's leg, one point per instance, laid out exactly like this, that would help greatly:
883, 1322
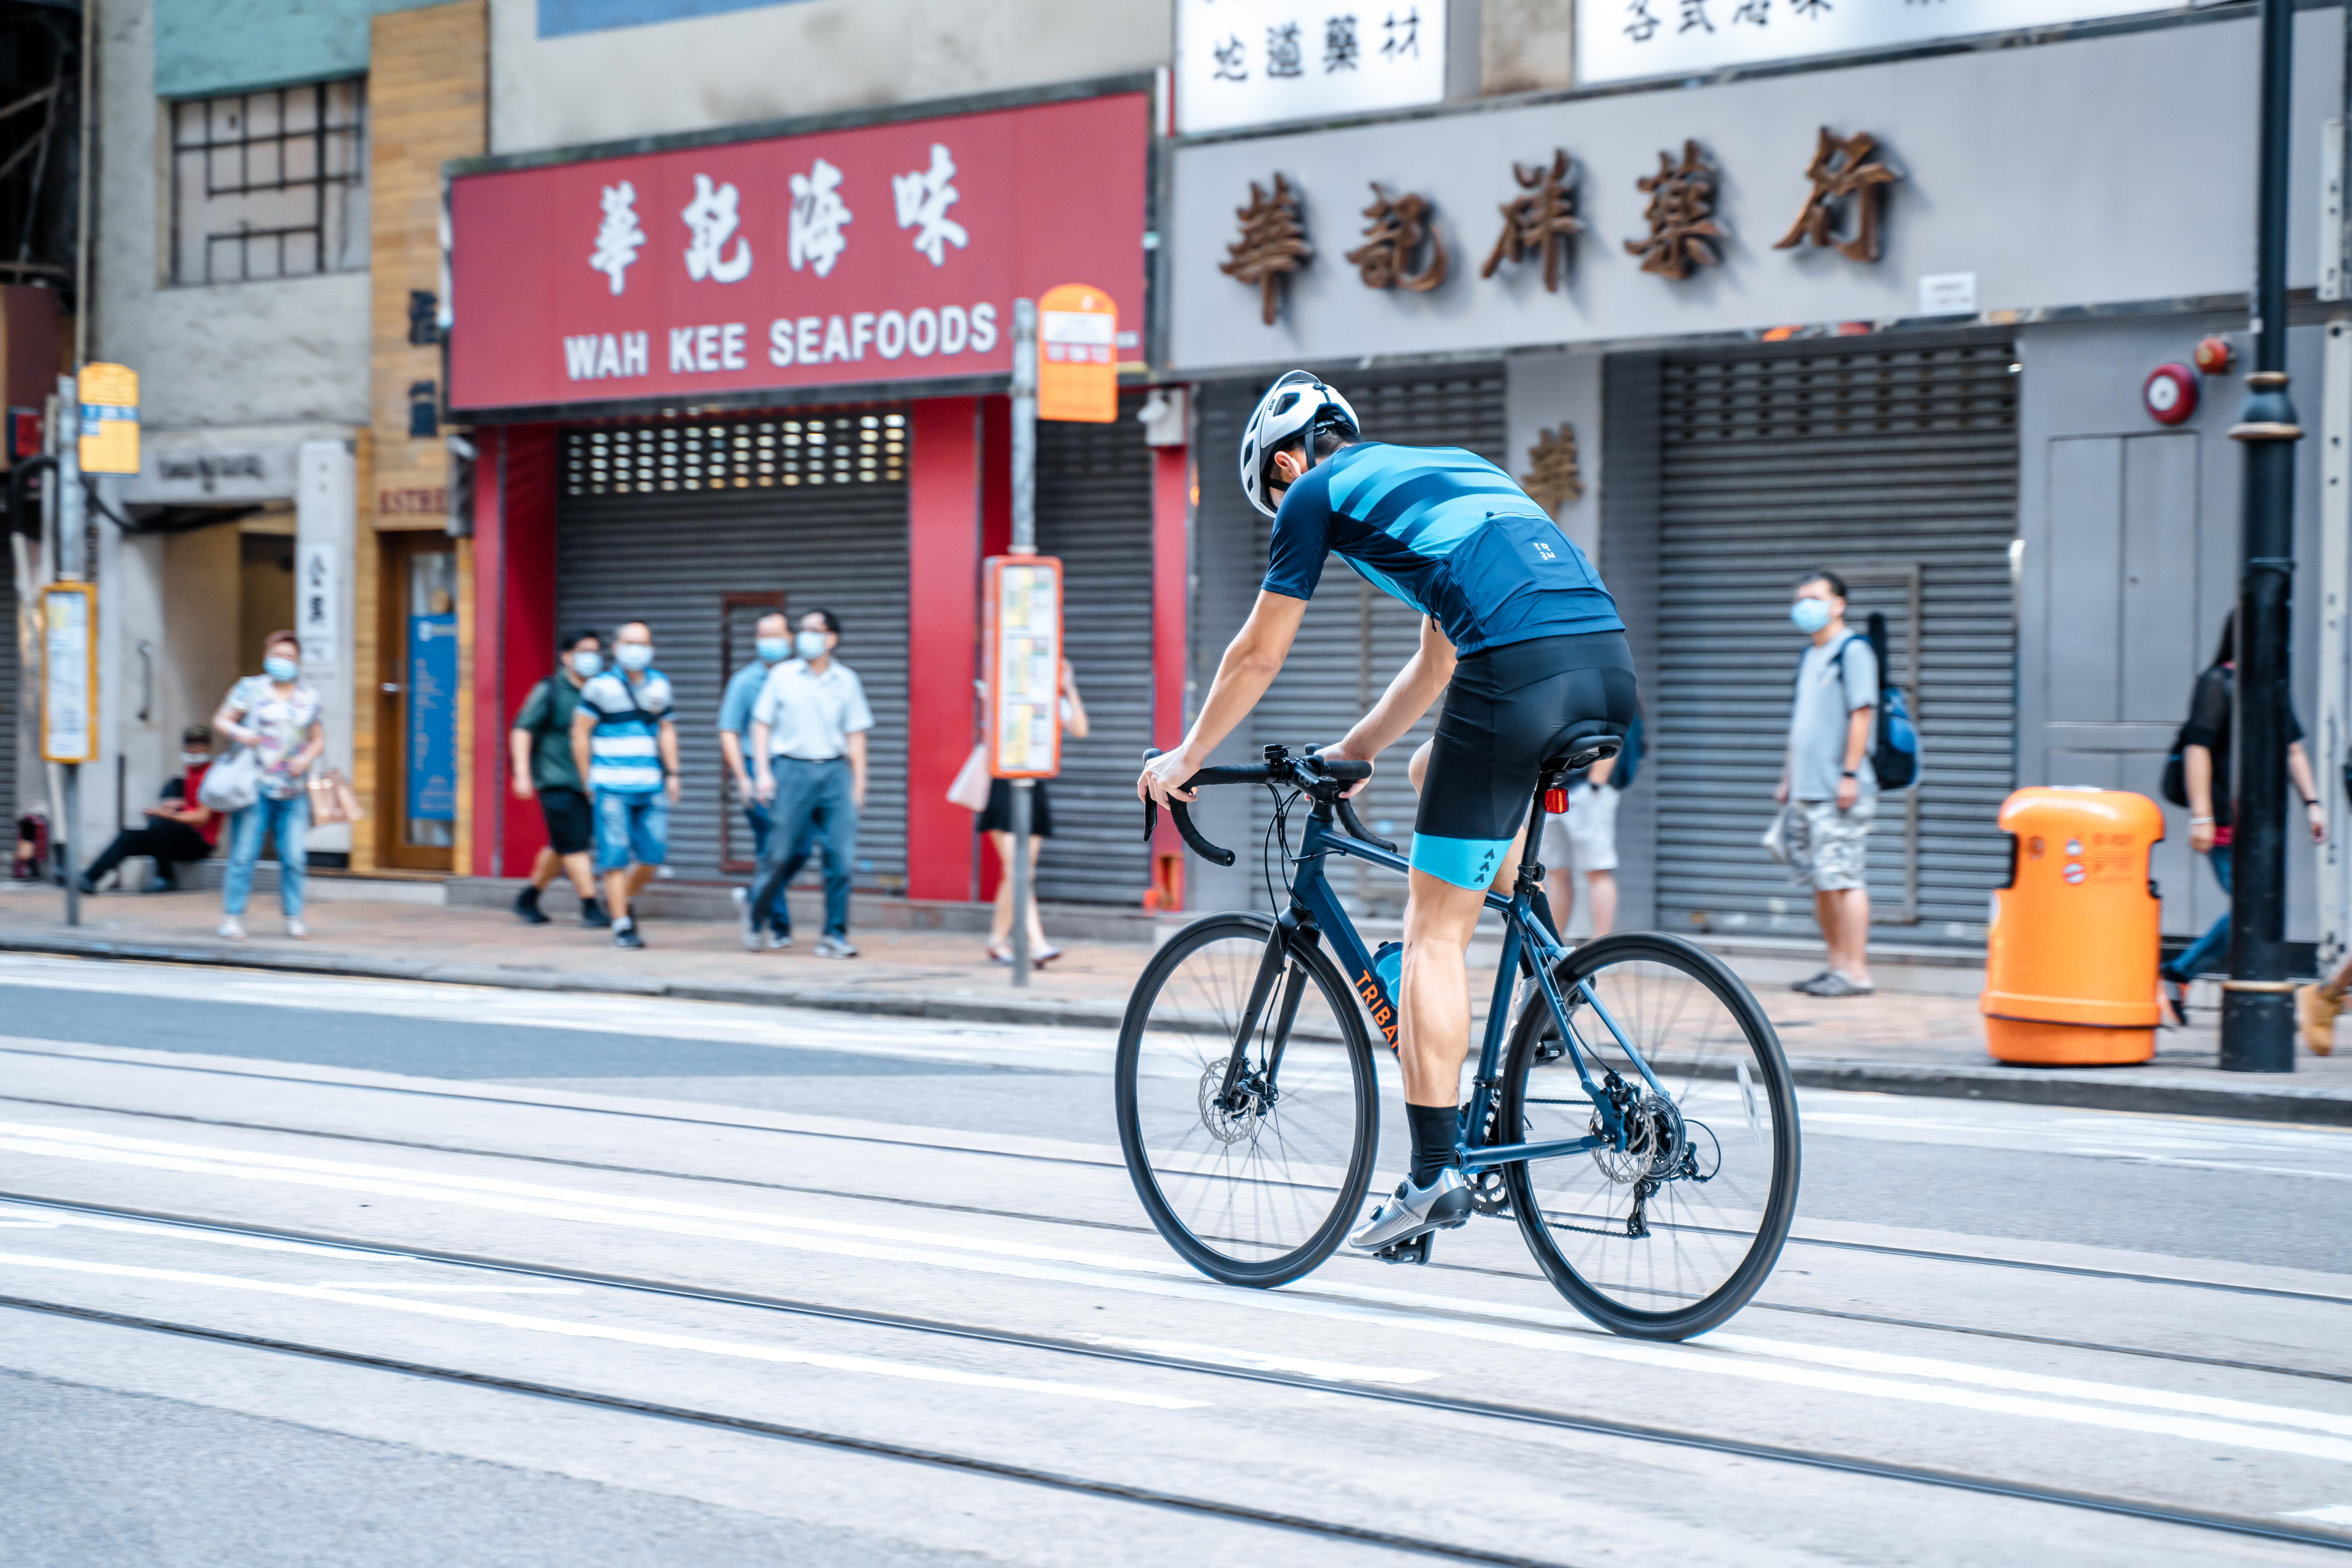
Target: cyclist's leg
1417, 770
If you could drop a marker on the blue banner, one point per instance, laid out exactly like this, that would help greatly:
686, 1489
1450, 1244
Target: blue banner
432, 717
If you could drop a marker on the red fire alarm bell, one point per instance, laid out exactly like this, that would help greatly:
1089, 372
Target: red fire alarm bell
2171, 394
2215, 356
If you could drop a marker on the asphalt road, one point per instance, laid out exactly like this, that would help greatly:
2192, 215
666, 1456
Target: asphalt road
320, 1271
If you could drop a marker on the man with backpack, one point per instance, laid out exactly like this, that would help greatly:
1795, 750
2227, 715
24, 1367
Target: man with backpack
545, 770
1827, 782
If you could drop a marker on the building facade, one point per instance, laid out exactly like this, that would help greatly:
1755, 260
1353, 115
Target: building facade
1891, 314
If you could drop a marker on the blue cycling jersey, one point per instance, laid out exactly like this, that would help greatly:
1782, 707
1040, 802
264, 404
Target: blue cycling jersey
1447, 532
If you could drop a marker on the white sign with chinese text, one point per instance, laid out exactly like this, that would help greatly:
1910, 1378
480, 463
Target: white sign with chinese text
1618, 40
69, 673
1248, 62
316, 602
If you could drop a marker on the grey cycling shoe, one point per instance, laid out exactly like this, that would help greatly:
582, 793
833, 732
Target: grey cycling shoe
1415, 1211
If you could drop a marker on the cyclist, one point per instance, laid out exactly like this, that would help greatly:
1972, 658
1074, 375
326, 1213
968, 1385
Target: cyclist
1513, 616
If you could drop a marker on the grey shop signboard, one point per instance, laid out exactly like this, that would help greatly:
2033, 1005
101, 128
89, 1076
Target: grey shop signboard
2028, 180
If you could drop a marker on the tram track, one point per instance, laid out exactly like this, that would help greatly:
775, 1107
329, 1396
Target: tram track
1592, 1425
610, 1168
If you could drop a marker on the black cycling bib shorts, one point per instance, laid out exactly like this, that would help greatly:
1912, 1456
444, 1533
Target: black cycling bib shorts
1506, 712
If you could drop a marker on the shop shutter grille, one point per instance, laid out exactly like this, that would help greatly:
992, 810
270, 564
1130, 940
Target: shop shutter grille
657, 522
1094, 512
9, 682
1354, 638
1897, 468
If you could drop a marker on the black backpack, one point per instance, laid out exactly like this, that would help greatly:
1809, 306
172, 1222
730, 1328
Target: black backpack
1894, 739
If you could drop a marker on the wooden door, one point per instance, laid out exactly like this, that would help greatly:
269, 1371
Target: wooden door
416, 715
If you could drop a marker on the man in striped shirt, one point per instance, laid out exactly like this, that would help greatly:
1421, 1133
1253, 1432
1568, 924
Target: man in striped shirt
626, 749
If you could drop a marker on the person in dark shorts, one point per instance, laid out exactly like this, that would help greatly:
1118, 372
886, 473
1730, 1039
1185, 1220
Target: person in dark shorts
544, 767
1517, 632
997, 822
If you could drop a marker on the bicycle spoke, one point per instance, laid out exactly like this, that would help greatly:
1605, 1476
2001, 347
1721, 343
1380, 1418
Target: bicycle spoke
1247, 1156
1672, 1230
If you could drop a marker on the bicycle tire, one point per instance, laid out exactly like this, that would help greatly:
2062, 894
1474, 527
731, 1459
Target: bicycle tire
1582, 1206
1189, 1176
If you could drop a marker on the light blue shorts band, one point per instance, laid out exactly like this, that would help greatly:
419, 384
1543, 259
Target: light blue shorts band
1465, 862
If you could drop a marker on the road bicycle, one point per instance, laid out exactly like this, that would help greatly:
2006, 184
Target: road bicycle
1636, 1115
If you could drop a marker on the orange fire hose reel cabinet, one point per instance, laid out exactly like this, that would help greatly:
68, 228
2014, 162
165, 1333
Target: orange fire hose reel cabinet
2071, 957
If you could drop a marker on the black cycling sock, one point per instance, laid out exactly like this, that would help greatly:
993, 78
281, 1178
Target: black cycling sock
1435, 1130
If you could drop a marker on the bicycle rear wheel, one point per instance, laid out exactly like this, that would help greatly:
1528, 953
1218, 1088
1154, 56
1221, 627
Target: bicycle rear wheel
1672, 1235
1255, 1184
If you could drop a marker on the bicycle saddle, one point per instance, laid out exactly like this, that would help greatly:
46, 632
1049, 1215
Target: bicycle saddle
1580, 745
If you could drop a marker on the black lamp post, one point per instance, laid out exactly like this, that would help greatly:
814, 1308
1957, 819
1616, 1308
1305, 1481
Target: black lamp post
2257, 1000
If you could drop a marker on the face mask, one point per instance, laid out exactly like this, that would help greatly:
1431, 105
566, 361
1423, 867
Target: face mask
1811, 614
279, 668
634, 655
775, 650
587, 662
194, 759
810, 645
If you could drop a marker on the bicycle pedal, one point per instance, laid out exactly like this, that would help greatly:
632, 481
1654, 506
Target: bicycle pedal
1413, 1250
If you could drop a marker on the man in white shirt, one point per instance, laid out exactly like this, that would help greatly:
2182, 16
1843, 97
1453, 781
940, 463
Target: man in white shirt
808, 743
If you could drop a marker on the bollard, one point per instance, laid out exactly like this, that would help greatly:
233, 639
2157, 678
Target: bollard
2071, 955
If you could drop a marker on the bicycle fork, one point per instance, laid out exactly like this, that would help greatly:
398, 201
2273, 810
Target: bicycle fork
1260, 1085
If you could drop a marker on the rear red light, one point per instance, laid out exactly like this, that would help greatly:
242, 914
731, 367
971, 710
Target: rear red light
1555, 801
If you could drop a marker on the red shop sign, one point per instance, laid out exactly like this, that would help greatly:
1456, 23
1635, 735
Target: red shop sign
873, 254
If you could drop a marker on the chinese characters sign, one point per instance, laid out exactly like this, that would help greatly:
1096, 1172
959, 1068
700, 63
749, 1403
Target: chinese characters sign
1247, 62
1617, 40
868, 254
1022, 658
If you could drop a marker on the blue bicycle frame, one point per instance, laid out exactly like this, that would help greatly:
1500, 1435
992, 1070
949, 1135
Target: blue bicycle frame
1526, 937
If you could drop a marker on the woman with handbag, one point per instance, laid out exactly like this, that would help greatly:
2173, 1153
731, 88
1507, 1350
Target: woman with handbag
996, 821
274, 718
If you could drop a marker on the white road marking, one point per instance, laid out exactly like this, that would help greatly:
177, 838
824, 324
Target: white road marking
2138, 1158
450, 1290
659, 1017
1792, 1365
2338, 1514
739, 1350
1257, 1360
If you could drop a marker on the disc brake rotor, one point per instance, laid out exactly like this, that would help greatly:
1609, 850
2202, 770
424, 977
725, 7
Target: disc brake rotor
1226, 1125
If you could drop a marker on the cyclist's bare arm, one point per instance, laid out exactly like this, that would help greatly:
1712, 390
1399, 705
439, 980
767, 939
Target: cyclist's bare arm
1416, 686
1252, 662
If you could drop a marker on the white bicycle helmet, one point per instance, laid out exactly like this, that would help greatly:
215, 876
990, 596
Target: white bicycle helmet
1297, 405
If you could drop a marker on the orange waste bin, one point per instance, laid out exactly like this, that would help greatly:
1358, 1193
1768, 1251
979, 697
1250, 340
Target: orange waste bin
2070, 960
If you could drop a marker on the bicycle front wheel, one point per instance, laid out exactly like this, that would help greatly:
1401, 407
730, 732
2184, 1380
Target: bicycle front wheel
1669, 1235
1252, 1171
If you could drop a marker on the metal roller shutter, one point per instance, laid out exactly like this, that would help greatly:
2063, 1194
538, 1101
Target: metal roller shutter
10, 681
1896, 468
656, 523
1355, 637
1094, 512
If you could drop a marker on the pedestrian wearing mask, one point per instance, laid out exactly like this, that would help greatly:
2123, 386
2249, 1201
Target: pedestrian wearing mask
625, 747
545, 769
808, 742
2205, 771
1826, 781
180, 827
767, 925
277, 716
997, 822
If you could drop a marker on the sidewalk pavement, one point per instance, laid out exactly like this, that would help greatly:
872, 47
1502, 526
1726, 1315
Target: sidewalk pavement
1900, 1044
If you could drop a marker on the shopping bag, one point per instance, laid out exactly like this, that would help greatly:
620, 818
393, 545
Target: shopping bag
232, 783
332, 799
1776, 838
970, 790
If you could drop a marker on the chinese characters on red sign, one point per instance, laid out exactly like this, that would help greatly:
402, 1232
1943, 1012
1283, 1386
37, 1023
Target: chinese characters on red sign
868, 254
